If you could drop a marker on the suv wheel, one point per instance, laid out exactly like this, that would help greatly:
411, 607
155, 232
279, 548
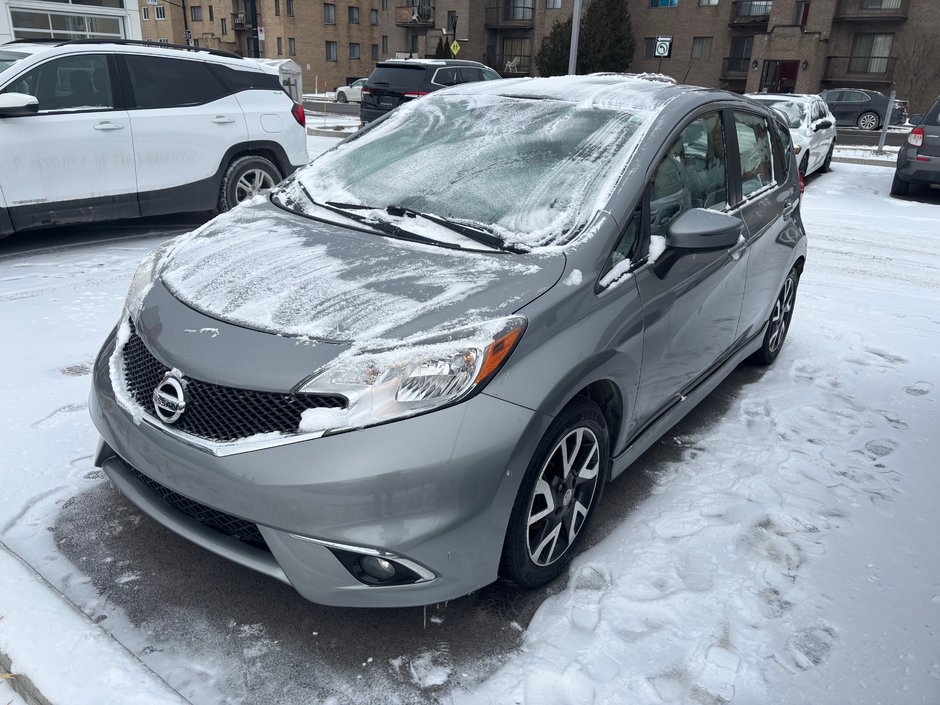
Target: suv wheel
246, 177
898, 187
868, 121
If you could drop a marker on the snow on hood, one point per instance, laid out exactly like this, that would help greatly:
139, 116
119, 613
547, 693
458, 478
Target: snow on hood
264, 268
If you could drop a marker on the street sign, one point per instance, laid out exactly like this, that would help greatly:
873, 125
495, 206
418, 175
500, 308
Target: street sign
454, 48
260, 34
663, 47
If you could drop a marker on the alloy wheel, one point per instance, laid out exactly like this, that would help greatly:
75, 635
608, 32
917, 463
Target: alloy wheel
562, 497
868, 121
251, 183
780, 318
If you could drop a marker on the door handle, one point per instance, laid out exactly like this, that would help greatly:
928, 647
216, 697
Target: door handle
789, 206
107, 126
222, 120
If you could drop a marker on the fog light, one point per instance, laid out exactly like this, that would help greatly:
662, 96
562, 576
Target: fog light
378, 568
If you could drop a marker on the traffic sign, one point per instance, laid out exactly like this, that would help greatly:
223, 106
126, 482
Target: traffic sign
454, 48
663, 48
260, 34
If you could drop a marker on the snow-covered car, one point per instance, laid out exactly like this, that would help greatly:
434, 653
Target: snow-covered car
812, 127
351, 93
118, 129
415, 365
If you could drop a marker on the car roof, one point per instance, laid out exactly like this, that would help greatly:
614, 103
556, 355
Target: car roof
795, 97
428, 62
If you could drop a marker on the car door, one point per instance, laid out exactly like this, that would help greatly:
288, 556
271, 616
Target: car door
184, 120
72, 160
691, 299
769, 202
840, 109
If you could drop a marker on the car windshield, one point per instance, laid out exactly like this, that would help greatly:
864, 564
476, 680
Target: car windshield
8, 58
793, 112
532, 171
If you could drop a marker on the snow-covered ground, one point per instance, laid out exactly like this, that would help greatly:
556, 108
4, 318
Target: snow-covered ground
779, 546
888, 155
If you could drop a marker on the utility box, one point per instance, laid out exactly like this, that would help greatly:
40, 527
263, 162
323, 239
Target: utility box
290, 76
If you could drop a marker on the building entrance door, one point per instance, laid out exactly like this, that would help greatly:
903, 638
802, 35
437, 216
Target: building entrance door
779, 76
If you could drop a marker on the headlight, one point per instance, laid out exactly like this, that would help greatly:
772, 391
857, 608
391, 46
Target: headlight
145, 276
423, 374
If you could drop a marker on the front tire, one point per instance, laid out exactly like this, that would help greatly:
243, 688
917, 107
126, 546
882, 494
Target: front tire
827, 165
804, 164
245, 178
868, 121
779, 323
341, 97
562, 486
898, 187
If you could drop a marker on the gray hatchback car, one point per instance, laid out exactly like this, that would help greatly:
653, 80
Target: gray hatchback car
412, 369
919, 157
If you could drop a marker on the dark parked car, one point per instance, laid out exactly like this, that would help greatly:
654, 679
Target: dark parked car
398, 81
862, 108
415, 366
919, 157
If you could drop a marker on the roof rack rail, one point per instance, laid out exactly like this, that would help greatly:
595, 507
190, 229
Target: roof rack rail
130, 42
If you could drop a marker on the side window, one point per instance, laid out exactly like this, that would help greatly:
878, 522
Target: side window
757, 170
624, 250
693, 174
490, 75
469, 75
70, 83
446, 77
172, 83
782, 146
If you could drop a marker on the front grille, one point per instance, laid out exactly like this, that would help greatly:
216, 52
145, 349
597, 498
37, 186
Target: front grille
215, 412
224, 523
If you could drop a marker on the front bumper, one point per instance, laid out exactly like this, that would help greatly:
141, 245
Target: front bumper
435, 490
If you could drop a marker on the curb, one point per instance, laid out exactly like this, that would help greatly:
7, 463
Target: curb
862, 160
45, 633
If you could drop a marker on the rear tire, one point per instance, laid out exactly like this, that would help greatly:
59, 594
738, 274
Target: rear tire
868, 121
778, 325
898, 187
562, 486
245, 178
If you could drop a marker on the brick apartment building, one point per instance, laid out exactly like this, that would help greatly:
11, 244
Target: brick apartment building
742, 45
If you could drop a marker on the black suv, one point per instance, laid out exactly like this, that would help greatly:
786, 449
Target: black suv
397, 81
862, 108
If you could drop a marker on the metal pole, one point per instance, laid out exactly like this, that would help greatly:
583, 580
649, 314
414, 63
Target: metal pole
575, 29
889, 112
185, 23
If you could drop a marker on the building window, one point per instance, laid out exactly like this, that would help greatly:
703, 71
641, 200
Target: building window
160, 12
162, 40
384, 44
701, 47
195, 12
277, 8
224, 23
292, 46
353, 14
664, 3
290, 8
329, 13
384, 5
375, 52
353, 51
703, 3
801, 16
374, 17
211, 14
451, 20
414, 44
195, 42
553, 4
145, 13
870, 53
649, 48
331, 51
280, 46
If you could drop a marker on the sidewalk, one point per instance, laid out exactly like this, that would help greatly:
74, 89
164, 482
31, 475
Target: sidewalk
866, 155
58, 656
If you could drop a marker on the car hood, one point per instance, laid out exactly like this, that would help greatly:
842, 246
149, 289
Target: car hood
266, 269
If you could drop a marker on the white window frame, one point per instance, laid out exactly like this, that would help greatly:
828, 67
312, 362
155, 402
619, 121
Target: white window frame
160, 12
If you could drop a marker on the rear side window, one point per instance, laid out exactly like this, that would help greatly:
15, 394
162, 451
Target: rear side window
756, 157
236, 81
469, 75
446, 77
158, 82
407, 78
782, 146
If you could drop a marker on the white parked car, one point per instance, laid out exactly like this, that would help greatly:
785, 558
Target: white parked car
351, 93
812, 127
102, 130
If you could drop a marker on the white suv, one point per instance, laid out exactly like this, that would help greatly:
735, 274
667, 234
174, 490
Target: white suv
101, 130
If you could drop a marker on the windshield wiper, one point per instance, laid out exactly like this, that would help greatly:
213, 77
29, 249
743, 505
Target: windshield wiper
473, 232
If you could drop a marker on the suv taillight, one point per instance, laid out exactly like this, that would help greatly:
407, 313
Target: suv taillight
299, 115
916, 138
414, 94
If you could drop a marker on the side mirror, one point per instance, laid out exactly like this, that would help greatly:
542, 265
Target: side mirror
703, 229
916, 119
822, 125
15, 104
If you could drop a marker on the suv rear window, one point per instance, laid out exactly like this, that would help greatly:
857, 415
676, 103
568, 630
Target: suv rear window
236, 80
408, 77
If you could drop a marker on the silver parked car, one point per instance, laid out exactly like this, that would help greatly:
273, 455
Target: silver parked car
413, 368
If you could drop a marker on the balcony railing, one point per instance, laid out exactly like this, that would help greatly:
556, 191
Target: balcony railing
868, 10
748, 12
414, 16
511, 14
510, 64
861, 69
240, 20
735, 67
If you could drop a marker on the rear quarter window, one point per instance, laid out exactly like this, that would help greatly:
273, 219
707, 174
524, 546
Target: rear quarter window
236, 80
159, 82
